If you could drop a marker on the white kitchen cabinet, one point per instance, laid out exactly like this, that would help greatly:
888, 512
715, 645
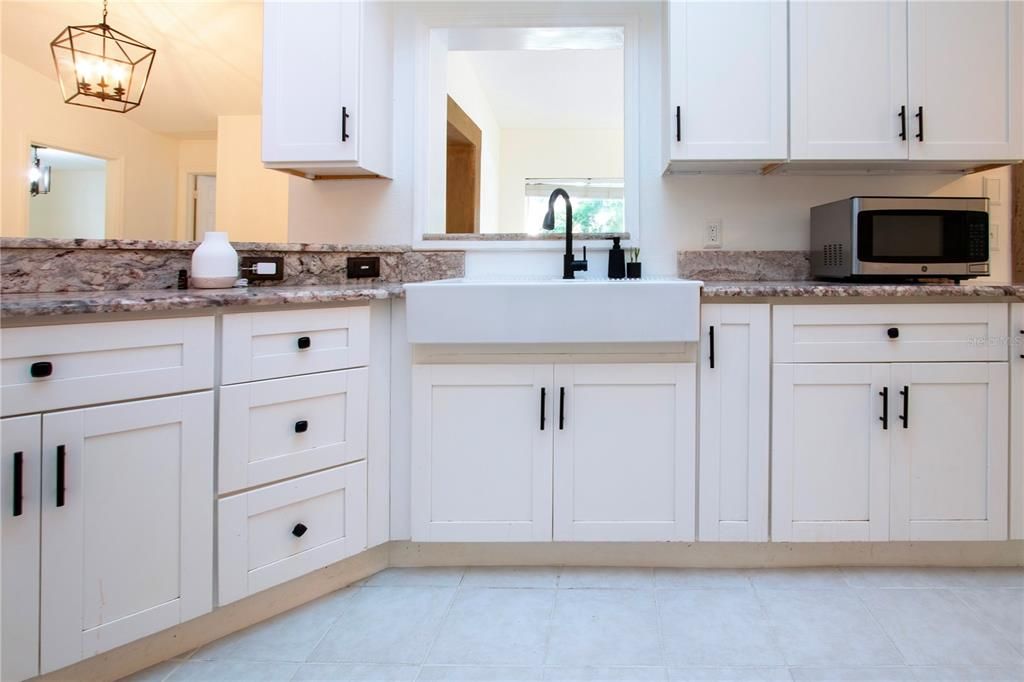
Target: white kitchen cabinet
734, 422
830, 452
624, 452
1016, 343
19, 533
481, 452
966, 80
949, 451
327, 88
848, 79
727, 81
126, 523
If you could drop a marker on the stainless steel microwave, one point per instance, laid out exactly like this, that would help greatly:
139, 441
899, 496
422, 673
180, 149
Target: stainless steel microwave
900, 238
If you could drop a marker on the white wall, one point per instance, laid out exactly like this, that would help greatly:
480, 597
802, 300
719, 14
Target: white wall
75, 206
552, 153
464, 87
769, 212
252, 202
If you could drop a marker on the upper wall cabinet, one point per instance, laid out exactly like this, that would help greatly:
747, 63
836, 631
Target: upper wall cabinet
727, 81
327, 88
924, 81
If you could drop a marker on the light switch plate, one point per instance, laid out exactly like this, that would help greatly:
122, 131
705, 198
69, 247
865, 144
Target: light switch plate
993, 189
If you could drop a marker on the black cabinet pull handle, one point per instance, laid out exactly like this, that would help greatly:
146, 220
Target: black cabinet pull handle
304, 342
679, 124
561, 408
543, 406
903, 122
301, 426
18, 462
920, 123
711, 345
62, 456
905, 417
344, 124
299, 530
885, 408
38, 370
1022, 354
893, 332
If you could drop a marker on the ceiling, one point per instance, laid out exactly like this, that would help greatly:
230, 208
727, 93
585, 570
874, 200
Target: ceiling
552, 88
207, 61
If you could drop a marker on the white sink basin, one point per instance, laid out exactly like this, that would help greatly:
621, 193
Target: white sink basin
553, 311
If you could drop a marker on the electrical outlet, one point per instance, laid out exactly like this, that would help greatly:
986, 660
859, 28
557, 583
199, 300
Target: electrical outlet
992, 188
713, 233
993, 236
262, 268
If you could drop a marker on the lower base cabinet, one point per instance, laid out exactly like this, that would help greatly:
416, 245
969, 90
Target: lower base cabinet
1016, 340
563, 452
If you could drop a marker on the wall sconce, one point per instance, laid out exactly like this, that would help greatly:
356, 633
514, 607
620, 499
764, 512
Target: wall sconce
38, 176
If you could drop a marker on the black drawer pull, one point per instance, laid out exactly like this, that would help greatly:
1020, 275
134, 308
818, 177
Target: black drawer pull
304, 342
38, 370
543, 407
301, 426
561, 408
920, 123
18, 457
893, 332
344, 124
711, 344
62, 456
903, 122
885, 408
299, 530
679, 124
905, 417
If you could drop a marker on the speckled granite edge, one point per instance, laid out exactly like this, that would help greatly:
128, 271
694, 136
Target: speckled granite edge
14, 306
172, 245
806, 289
522, 236
714, 264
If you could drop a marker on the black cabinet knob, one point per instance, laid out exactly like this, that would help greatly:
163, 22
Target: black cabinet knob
893, 332
301, 426
304, 342
299, 530
38, 370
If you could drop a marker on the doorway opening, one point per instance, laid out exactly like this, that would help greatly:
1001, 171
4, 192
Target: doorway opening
202, 204
70, 198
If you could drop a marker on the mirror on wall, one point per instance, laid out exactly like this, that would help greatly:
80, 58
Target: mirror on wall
67, 194
528, 111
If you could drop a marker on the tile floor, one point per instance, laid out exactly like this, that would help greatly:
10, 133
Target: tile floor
636, 624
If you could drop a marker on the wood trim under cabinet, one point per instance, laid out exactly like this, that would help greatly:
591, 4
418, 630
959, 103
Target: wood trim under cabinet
1017, 221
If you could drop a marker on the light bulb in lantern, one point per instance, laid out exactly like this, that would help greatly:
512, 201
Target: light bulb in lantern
34, 174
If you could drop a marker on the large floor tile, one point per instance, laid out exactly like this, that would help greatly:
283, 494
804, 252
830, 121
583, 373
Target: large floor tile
357, 672
494, 626
731, 674
604, 627
969, 673
798, 578
429, 576
891, 673
234, 671
1002, 608
606, 674
976, 577
890, 577
609, 577
934, 627
700, 578
716, 628
386, 625
827, 628
511, 576
479, 673
156, 673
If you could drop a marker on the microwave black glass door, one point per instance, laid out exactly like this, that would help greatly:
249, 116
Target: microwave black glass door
904, 236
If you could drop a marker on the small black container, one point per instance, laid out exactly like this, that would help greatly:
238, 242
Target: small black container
616, 260
633, 270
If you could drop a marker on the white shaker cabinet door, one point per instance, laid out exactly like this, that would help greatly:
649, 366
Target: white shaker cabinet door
1016, 342
830, 452
949, 451
19, 529
625, 464
481, 453
127, 523
966, 66
734, 422
848, 79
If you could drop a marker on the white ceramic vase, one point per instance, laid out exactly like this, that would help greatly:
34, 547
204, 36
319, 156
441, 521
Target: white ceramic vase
214, 262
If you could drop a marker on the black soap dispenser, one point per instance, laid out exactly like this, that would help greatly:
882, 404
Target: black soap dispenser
616, 260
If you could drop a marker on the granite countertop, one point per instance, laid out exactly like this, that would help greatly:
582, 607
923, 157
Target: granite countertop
14, 306
810, 288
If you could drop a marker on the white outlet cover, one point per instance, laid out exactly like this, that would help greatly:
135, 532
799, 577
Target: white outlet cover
992, 188
713, 233
993, 237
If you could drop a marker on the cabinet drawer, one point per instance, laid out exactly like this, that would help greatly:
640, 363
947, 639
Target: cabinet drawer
261, 538
905, 332
290, 342
270, 430
103, 362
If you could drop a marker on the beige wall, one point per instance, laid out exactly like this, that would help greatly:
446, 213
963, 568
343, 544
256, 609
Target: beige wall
194, 156
142, 173
252, 202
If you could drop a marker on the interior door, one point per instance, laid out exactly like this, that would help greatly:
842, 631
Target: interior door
966, 74
830, 452
127, 523
19, 530
481, 453
727, 72
848, 80
625, 452
949, 456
